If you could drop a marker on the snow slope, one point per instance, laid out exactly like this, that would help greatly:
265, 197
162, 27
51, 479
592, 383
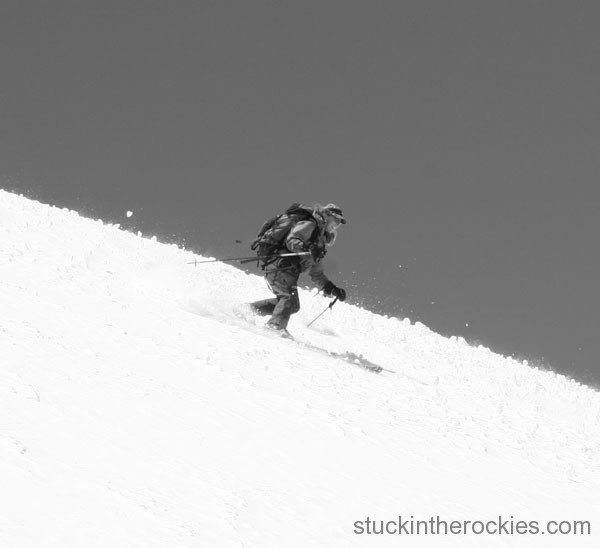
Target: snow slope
136, 410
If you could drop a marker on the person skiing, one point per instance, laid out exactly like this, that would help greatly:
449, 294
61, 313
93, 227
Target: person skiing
312, 231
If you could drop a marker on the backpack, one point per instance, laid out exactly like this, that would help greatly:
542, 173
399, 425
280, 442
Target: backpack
272, 234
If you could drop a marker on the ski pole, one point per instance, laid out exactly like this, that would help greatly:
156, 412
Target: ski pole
260, 257
248, 259
329, 307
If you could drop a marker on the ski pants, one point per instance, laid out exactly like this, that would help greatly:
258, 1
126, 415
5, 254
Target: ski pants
282, 278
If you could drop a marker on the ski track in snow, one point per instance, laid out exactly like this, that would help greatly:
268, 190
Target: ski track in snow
137, 410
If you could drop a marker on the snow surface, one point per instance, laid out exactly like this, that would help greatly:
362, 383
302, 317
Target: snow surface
137, 410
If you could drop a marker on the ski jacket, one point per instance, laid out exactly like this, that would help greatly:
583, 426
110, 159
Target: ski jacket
300, 238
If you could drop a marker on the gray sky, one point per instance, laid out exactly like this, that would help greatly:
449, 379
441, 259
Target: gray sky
461, 138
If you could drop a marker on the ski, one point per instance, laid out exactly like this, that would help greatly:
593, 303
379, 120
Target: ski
349, 357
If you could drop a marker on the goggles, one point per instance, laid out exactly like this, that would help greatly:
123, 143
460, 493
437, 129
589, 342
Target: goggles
335, 214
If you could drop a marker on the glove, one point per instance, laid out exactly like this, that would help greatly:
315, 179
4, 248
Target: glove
330, 289
316, 252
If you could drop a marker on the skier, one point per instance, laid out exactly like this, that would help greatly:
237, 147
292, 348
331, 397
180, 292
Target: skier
312, 232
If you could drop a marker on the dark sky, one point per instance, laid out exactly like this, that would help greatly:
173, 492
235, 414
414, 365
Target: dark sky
461, 139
